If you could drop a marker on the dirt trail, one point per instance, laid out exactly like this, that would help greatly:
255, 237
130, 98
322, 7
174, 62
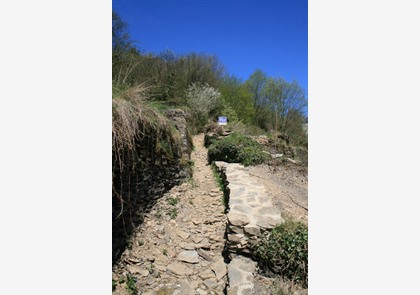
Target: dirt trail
178, 248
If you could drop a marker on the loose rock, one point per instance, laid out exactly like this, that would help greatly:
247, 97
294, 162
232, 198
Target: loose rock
188, 256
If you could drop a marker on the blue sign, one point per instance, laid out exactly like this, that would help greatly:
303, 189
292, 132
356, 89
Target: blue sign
222, 120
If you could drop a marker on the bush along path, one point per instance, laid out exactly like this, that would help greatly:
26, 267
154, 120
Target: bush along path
178, 249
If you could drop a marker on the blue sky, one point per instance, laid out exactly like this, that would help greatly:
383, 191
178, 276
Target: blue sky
271, 35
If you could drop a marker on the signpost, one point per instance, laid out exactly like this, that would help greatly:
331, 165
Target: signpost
222, 121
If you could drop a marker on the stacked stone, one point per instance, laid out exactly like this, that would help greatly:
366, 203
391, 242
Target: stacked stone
251, 212
178, 117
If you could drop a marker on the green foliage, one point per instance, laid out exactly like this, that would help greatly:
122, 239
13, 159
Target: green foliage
219, 181
172, 201
151, 268
114, 285
278, 104
131, 285
237, 148
230, 113
237, 101
285, 251
173, 213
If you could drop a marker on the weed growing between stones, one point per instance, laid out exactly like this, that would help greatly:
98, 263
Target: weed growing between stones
174, 213
158, 213
172, 201
131, 285
220, 183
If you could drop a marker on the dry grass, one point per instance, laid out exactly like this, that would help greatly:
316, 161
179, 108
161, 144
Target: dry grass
131, 117
134, 122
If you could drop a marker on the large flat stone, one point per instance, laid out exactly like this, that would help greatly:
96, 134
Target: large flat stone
252, 230
241, 208
268, 222
179, 269
238, 219
219, 268
244, 264
207, 274
211, 283
268, 210
235, 276
183, 234
203, 254
188, 256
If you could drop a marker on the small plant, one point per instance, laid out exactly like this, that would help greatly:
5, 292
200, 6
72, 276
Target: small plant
193, 183
165, 252
140, 242
191, 164
129, 244
114, 285
284, 251
158, 213
172, 201
151, 268
131, 285
173, 213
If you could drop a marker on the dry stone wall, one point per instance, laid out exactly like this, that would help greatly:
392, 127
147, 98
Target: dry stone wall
146, 177
250, 213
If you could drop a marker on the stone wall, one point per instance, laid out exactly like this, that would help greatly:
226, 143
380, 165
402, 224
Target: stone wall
141, 177
179, 118
250, 213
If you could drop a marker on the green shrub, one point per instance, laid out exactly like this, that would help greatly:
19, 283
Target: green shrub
237, 148
284, 251
131, 285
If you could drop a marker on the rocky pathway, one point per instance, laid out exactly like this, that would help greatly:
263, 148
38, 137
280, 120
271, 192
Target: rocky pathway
178, 248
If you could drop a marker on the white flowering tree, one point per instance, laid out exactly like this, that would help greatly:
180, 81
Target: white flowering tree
202, 99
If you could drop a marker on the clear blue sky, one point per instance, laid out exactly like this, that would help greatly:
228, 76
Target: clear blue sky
245, 34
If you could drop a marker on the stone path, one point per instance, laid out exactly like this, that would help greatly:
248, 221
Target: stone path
178, 249
251, 212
